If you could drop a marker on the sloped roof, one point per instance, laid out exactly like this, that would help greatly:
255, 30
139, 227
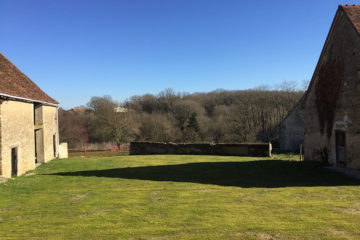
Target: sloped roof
16, 84
352, 12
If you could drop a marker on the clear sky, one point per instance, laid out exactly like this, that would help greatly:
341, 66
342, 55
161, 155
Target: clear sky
75, 49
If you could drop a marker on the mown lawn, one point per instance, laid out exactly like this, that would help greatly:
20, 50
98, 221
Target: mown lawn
90, 153
180, 197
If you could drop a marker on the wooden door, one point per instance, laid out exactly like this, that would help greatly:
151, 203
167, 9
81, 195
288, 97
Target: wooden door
14, 161
340, 145
54, 145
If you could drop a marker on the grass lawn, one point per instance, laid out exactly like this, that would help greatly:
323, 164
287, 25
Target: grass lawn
90, 153
180, 197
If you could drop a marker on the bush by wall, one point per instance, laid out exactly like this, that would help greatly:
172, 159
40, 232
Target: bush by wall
238, 149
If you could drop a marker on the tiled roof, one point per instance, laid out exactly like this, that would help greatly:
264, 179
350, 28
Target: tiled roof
14, 83
353, 12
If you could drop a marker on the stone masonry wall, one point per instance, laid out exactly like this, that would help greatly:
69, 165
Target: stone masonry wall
49, 130
251, 149
1, 172
334, 100
63, 150
17, 130
292, 130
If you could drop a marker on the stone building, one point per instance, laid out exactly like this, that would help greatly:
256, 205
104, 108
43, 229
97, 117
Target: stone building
292, 129
28, 122
332, 101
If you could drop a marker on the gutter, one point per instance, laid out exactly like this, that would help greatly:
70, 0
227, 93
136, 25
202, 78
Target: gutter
28, 99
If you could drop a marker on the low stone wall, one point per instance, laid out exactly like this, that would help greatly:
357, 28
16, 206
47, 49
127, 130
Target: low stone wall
240, 149
109, 146
63, 150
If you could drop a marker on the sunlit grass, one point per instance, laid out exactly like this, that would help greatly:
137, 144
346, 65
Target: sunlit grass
180, 197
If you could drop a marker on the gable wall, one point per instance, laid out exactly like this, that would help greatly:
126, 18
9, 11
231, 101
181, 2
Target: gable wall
338, 78
17, 129
292, 130
50, 128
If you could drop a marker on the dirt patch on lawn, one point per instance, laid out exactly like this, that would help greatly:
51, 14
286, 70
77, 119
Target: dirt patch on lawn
355, 211
262, 236
206, 190
336, 232
78, 197
30, 173
156, 196
93, 213
2, 179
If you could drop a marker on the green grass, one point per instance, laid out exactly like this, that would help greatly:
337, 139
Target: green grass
94, 153
180, 197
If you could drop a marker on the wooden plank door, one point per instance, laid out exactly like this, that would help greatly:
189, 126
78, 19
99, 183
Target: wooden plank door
340, 145
14, 161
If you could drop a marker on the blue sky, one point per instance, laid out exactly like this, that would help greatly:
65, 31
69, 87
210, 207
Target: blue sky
75, 49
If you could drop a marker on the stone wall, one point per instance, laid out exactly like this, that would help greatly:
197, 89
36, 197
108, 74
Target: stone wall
63, 150
17, 130
334, 100
1, 163
17, 121
50, 129
245, 149
292, 129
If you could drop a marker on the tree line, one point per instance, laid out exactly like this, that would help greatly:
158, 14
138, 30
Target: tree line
219, 117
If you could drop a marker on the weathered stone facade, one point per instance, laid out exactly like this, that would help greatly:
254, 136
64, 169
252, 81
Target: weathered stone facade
63, 150
1, 172
19, 131
332, 102
292, 129
50, 133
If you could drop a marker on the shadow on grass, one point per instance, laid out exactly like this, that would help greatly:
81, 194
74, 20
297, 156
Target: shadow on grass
262, 173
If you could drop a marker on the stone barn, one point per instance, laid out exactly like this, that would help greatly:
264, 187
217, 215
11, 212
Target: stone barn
332, 101
28, 122
292, 129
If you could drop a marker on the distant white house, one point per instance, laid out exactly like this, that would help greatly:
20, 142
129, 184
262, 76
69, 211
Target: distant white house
120, 109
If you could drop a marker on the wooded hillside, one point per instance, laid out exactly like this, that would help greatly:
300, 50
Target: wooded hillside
218, 116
